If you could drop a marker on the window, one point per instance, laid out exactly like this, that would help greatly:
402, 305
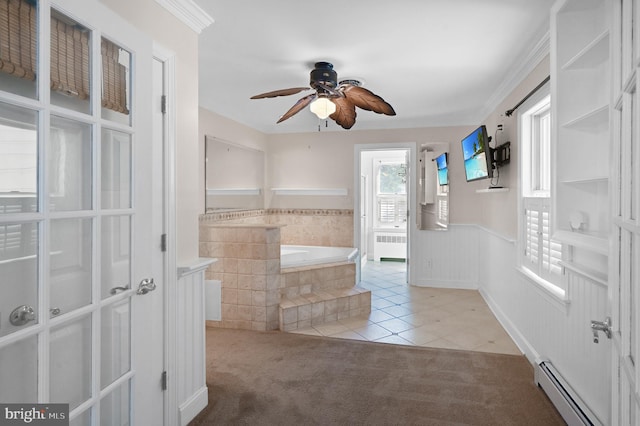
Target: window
540, 254
391, 194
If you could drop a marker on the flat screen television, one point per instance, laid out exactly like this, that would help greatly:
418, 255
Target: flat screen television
443, 169
477, 155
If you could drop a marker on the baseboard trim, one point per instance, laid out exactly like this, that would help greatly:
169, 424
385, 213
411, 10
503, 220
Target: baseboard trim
192, 406
458, 285
521, 342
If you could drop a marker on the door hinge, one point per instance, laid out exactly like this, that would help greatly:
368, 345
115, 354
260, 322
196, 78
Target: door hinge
163, 104
163, 380
163, 242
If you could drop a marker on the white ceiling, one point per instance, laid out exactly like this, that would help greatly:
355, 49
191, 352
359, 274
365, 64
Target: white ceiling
437, 62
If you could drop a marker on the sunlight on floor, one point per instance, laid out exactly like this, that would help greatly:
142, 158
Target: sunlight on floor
420, 316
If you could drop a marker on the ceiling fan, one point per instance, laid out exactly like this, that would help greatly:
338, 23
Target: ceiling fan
332, 98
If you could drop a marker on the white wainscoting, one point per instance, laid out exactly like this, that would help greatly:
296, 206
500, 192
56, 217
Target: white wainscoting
190, 375
543, 326
546, 328
446, 259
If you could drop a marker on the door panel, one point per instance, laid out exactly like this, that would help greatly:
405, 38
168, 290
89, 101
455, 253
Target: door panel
70, 356
19, 365
624, 274
74, 223
70, 265
69, 164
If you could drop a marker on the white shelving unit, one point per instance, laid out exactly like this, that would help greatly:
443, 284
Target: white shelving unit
580, 87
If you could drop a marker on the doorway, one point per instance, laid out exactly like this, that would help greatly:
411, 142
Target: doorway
383, 200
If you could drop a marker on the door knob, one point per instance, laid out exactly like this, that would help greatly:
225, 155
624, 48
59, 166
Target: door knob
146, 285
22, 315
604, 326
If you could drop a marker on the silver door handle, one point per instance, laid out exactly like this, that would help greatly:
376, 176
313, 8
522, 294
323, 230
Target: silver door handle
145, 286
22, 315
604, 326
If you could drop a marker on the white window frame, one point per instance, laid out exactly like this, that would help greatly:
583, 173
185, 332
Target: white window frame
539, 255
398, 201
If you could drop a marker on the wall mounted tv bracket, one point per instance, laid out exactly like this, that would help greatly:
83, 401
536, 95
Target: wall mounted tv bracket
502, 154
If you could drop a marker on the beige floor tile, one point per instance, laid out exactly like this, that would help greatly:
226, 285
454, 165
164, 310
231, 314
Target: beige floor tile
500, 347
331, 328
420, 316
372, 332
418, 335
349, 334
395, 325
395, 340
377, 316
442, 344
468, 339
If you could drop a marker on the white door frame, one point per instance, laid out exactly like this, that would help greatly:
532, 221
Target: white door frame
411, 199
168, 59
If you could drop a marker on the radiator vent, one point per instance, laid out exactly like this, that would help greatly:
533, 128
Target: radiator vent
389, 245
391, 239
572, 409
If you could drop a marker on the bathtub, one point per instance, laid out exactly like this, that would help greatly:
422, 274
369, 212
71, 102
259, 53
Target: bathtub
296, 256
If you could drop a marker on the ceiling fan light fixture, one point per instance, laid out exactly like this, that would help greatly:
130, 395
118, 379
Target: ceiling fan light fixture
322, 107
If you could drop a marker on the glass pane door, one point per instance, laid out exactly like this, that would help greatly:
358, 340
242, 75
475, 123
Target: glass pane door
66, 212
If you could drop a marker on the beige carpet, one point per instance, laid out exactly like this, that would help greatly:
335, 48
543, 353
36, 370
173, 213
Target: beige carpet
273, 378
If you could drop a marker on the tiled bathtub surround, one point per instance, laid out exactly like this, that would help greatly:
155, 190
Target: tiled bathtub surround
312, 227
314, 295
249, 269
254, 289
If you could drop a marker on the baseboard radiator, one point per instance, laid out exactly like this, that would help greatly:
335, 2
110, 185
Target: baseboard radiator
390, 245
572, 409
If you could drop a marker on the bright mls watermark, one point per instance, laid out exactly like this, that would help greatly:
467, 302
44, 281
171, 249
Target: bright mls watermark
34, 414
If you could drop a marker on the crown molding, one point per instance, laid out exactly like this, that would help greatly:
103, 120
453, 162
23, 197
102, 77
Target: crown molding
189, 13
518, 72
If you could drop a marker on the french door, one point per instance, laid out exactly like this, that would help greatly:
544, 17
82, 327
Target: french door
75, 203
624, 287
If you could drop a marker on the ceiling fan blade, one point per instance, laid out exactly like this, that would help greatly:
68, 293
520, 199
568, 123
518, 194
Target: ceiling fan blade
281, 92
297, 107
367, 100
345, 115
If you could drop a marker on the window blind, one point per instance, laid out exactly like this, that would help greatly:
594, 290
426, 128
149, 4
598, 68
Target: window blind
70, 59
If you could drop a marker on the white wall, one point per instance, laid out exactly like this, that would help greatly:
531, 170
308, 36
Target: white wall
544, 327
172, 34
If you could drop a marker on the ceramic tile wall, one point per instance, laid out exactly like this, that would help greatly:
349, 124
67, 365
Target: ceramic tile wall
249, 269
313, 227
247, 244
333, 228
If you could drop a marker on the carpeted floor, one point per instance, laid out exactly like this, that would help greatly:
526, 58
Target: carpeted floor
273, 378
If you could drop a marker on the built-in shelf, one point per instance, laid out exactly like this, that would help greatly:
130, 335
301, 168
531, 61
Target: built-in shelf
310, 191
581, 68
234, 191
596, 52
595, 276
491, 190
592, 121
595, 243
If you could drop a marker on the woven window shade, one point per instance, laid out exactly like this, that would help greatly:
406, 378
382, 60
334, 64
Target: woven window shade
18, 38
69, 59
70, 55
114, 79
